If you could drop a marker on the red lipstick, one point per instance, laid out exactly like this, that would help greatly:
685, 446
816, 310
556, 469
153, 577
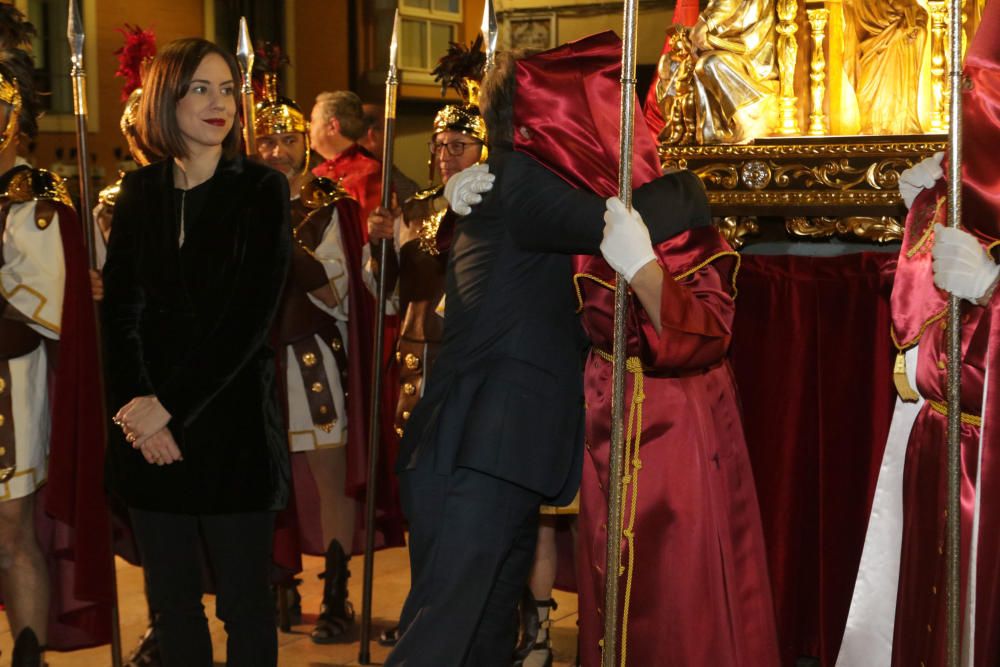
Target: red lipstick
218, 122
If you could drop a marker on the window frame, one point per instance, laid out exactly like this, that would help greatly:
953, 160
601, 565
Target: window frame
429, 16
66, 122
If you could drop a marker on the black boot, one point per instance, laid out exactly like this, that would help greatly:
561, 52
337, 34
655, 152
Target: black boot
336, 615
147, 653
27, 650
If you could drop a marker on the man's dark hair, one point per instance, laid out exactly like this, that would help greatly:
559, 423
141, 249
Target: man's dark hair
496, 97
167, 82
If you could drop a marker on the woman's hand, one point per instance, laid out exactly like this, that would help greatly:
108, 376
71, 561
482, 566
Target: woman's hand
160, 448
140, 418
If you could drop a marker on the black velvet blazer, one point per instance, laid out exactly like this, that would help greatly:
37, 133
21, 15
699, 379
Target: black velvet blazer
190, 324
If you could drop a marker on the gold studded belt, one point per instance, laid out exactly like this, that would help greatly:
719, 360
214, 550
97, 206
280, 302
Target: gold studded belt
8, 448
310, 361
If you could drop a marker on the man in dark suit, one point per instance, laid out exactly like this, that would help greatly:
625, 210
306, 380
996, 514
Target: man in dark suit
499, 429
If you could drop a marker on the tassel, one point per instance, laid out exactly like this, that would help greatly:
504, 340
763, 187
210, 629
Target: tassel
902, 382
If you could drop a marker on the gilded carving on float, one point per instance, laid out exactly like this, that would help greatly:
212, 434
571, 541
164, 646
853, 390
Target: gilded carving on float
730, 59
817, 71
736, 229
939, 37
891, 35
883, 229
788, 52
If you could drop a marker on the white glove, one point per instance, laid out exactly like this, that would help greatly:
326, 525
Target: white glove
626, 245
919, 177
961, 265
465, 189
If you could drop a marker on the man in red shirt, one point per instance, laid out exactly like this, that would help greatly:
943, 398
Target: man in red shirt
336, 125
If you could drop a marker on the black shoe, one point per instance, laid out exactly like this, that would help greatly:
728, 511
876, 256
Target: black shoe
336, 614
27, 650
147, 653
389, 637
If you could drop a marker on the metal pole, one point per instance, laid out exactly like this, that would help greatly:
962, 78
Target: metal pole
613, 559
76, 36
391, 85
245, 56
953, 593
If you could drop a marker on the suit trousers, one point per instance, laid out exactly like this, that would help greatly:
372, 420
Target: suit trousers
472, 544
238, 549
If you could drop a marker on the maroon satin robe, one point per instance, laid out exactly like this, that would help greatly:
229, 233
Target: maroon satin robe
919, 317
699, 592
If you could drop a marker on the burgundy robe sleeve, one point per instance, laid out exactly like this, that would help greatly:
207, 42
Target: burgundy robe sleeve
696, 316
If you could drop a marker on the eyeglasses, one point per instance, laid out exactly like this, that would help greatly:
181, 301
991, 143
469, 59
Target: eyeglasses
455, 148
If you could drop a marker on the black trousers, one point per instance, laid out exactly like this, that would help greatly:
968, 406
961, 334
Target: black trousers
472, 544
238, 548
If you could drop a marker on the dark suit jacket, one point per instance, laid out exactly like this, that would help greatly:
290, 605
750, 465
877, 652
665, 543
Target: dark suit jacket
506, 394
190, 324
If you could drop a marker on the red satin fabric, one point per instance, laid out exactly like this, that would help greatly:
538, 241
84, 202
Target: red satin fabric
920, 614
699, 590
75, 530
916, 302
987, 640
813, 365
920, 635
360, 174
566, 112
981, 129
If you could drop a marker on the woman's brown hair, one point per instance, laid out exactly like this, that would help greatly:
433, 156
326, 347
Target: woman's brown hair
166, 83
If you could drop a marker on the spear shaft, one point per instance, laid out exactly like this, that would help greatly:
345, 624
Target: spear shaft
614, 524
953, 526
389, 134
78, 75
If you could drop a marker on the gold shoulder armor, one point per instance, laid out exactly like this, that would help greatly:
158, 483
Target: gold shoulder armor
109, 195
320, 192
429, 193
37, 185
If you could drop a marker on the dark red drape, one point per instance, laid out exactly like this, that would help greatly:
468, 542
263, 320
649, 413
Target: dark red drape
813, 360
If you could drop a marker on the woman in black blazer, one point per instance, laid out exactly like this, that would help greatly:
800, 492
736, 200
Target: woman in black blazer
197, 257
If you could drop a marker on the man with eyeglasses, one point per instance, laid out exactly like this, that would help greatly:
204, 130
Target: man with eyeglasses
421, 232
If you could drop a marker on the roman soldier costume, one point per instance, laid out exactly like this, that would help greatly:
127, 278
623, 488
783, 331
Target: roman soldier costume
325, 358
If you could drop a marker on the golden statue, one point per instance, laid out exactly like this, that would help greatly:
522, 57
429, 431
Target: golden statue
675, 90
890, 36
735, 78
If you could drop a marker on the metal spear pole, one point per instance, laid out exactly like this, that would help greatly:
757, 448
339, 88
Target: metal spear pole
76, 36
389, 128
953, 595
245, 55
613, 560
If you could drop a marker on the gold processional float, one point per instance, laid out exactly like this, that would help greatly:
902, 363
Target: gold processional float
808, 111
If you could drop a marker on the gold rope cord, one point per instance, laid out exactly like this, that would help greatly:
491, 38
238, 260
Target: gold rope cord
630, 478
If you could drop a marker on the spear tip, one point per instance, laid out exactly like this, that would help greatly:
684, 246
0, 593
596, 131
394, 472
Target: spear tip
244, 52
394, 44
489, 29
74, 32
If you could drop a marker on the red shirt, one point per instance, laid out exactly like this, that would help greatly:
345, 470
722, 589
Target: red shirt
360, 175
